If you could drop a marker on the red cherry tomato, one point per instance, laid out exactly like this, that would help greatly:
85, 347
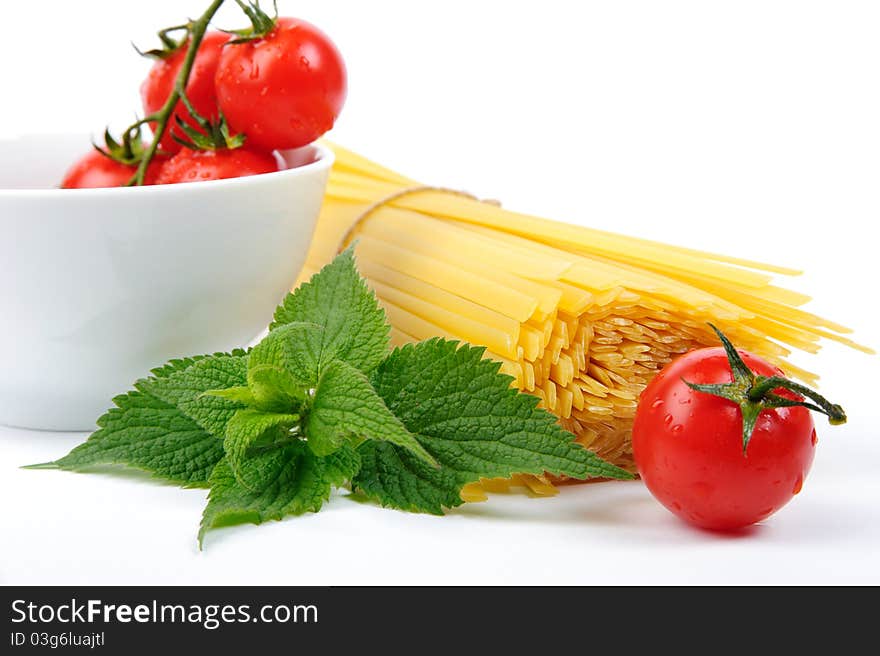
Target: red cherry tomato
160, 81
201, 165
688, 445
95, 170
282, 90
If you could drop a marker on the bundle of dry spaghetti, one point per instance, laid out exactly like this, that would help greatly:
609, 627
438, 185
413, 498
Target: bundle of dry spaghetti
580, 318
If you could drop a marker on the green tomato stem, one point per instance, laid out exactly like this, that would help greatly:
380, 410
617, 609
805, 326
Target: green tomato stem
753, 393
764, 385
197, 31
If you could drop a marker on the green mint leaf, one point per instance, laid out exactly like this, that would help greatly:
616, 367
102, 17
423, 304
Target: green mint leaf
294, 350
338, 300
240, 395
469, 418
346, 405
395, 478
467, 414
146, 430
147, 433
246, 428
186, 390
287, 481
274, 389
179, 364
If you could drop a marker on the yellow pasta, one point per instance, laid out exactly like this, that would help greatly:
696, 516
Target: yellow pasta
581, 318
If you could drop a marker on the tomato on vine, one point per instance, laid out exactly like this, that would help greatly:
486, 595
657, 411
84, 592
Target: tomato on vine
723, 439
212, 152
279, 84
200, 91
95, 170
283, 84
202, 165
112, 165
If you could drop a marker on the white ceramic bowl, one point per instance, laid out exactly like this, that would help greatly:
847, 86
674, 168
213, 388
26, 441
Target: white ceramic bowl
98, 286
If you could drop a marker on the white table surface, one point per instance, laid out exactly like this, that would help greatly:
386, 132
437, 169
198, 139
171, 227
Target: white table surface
66, 528
749, 129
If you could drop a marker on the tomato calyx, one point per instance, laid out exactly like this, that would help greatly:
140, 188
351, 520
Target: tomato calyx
214, 135
129, 151
754, 393
261, 22
170, 44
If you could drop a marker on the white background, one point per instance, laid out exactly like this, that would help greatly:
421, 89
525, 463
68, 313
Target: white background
745, 127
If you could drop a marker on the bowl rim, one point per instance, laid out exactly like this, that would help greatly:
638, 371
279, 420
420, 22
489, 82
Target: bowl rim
324, 158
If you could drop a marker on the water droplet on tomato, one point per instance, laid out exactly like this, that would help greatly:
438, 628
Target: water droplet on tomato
667, 419
677, 429
659, 402
814, 438
798, 485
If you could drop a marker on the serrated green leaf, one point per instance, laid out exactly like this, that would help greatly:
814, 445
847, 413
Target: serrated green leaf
295, 348
147, 433
185, 389
346, 405
338, 300
146, 430
176, 365
394, 478
241, 395
179, 364
247, 427
467, 416
291, 481
274, 389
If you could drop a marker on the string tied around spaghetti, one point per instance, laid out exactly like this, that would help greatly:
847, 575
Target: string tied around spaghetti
397, 195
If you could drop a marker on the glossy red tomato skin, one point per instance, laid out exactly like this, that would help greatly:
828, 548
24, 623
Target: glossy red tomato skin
160, 81
94, 170
689, 451
285, 89
203, 165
